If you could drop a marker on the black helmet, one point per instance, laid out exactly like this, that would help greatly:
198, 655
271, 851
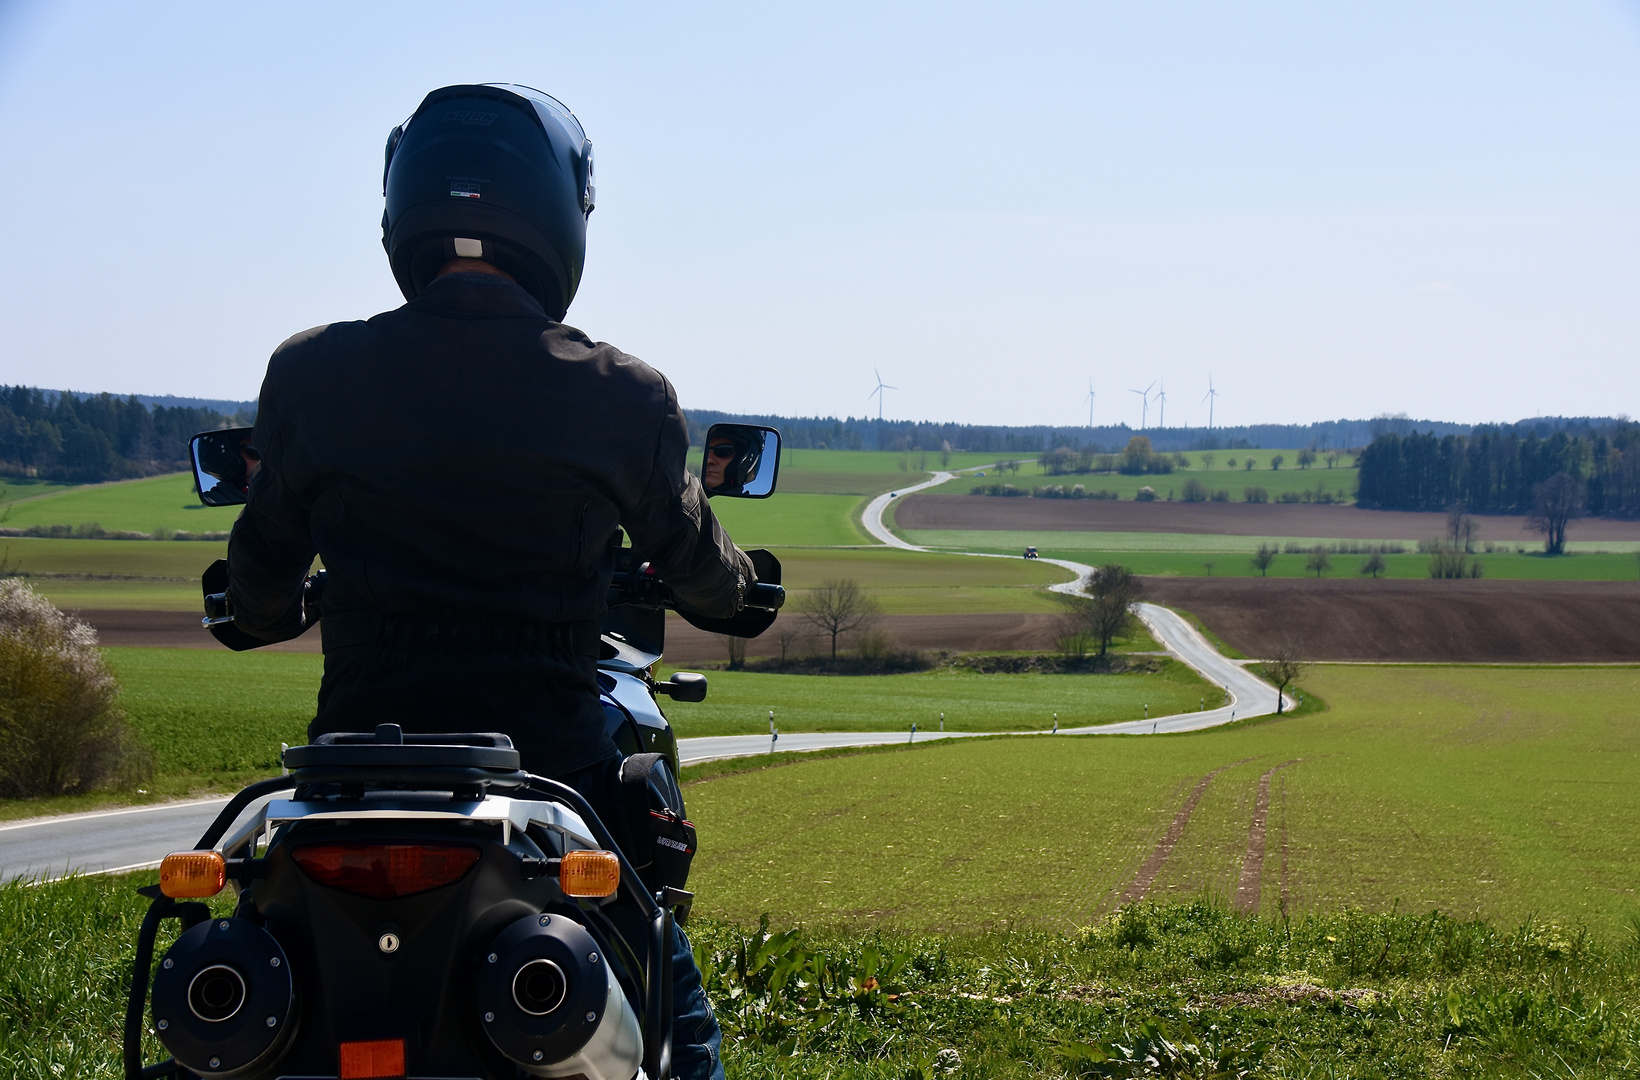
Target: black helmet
496, 172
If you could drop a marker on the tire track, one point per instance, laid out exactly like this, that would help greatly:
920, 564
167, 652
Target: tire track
1252, 863
1152, 866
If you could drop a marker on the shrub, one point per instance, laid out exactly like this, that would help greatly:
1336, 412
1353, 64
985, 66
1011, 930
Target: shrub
1255, 495
1287, 497
61, 728
1194, 491
1220, 495
1145, 494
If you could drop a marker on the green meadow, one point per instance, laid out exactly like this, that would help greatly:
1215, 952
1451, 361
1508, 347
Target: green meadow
1188, 555
1502, 793
1287, 479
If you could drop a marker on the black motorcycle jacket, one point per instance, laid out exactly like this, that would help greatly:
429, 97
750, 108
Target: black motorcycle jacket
461, 464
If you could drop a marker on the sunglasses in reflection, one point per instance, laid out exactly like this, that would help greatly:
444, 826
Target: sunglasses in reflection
723, 450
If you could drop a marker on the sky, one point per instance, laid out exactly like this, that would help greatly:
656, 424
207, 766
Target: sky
1327, 209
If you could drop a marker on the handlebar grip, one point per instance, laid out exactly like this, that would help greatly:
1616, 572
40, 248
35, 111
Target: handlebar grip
765, 597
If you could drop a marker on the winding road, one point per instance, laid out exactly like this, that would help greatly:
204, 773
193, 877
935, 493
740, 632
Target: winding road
109, 841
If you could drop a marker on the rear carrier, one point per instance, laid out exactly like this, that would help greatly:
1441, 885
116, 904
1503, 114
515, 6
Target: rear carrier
415, 906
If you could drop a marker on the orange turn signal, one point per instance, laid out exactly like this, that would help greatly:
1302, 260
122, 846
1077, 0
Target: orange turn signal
589, 873
192, 874
372, 1060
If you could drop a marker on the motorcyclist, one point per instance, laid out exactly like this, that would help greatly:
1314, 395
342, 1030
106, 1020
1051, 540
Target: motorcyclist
463, 464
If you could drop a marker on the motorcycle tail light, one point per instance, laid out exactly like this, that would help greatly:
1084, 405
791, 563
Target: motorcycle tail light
386, 871
589, 873
374, 1060
192, 874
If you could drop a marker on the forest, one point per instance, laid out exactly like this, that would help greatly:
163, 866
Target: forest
58, 436
1499, 471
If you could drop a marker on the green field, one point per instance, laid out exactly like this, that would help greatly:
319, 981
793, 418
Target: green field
1186, 555
739, 702
157, 503
1288, 478
861, 472
1492, 791
15, 488
913, 583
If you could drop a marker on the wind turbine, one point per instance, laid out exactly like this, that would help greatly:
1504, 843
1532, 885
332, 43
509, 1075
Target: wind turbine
1161, 399
878, 393
1144, 415
1211, 398
1091, 396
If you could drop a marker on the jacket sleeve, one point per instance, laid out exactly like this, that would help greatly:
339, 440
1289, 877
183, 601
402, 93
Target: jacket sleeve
674, 527
270, 549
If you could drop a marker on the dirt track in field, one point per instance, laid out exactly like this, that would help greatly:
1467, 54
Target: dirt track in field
916, 512
1249, 888
1146, 877
1411, 621
684, 644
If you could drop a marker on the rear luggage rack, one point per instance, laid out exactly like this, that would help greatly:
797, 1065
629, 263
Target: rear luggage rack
469, 763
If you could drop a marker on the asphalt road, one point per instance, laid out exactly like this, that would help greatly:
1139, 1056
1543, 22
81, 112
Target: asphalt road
113, 840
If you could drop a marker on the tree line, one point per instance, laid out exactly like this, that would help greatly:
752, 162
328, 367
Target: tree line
59, 436
1499, 470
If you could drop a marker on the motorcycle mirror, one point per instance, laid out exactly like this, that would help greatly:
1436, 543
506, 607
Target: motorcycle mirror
740, 461
223, 463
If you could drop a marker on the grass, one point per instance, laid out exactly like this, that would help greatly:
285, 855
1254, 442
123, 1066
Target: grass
1498, 792
1275, 481
1186, 555
147, 575
159, 502
912, 583
14, 488
739, 702
1181, 990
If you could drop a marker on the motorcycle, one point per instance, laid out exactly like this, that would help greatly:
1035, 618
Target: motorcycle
418, 905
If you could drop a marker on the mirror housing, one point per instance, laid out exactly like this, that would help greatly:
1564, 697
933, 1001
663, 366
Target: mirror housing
223, 461
749, 471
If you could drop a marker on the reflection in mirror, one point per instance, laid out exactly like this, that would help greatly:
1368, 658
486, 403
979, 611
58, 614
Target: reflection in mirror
741, 461
223, 464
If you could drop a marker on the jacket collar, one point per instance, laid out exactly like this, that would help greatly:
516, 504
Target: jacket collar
480, 295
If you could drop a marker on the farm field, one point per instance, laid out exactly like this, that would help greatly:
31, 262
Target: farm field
859, 472
155, 503
1498, 792
923, 513
213, 717
1433, 621
1174, 555
1338, 482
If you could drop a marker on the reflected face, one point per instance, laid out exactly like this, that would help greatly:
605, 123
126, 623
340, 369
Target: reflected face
719, 453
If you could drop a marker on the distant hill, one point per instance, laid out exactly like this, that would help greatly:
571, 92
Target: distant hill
864, 433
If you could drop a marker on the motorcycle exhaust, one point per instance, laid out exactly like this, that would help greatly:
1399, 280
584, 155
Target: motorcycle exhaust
224, 1002
549, 1003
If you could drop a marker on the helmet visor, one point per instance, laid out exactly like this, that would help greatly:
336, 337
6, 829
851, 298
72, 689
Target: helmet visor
548, 108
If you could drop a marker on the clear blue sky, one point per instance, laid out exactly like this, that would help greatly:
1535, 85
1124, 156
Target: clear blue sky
1333, 209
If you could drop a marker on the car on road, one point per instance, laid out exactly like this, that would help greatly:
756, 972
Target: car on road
1030, 552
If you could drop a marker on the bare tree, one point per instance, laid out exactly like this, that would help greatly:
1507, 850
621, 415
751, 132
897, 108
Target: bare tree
1276, 462
837, 607
1112, 592
1555, 502
1285, 663
945, 453
787, 636
1462, 529
737, 650
1318, 561
1209, 564
1208, 459
1332, 458
1262, 558
1306, 458
1374, 565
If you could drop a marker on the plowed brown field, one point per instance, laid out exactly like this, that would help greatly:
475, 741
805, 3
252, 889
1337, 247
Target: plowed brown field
1232, 519
1433, 621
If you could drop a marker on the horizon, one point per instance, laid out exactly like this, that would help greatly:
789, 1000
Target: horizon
1400, 208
